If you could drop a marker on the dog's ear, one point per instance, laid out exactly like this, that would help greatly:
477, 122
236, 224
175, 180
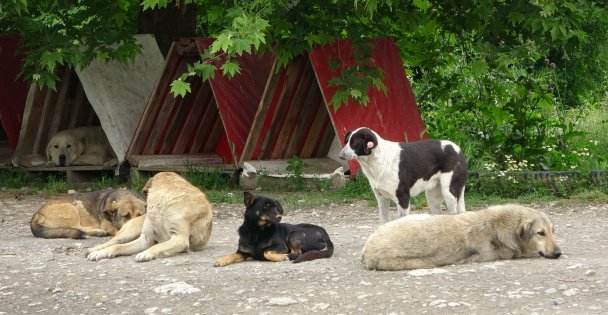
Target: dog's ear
279, 208
347, 136
111, 208
368, 147
248, 198
523, 230
48, 150
78, 147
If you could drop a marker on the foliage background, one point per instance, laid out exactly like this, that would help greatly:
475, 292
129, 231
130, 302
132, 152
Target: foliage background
520, 85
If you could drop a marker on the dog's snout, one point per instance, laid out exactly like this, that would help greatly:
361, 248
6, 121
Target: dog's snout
62, 159
555, 254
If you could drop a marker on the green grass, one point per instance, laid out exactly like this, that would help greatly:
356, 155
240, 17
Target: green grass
220, 188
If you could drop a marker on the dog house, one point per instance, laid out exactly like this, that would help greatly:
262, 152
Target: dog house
13, 93
296, 117
207, 128
106, 94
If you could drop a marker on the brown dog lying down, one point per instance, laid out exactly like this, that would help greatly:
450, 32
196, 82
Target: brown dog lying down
498, 232
98, 213
179, 219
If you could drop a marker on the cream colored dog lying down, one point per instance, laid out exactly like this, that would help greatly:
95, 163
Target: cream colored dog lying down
498, 232
178, 219
80, 146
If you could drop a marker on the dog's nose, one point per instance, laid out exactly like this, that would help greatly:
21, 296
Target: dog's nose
556, 253
62, 159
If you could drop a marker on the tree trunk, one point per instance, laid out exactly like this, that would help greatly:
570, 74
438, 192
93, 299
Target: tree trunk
175, 21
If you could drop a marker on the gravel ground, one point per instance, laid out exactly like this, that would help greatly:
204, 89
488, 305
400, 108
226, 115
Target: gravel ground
47, 276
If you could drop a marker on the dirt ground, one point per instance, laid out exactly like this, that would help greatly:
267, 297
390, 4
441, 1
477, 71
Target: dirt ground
47, 276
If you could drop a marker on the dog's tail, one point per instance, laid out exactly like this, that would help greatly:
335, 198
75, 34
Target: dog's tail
45, 232
316, 254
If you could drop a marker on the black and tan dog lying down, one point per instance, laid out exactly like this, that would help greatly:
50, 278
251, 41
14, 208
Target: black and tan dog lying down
98, 213
262, 237
495, 233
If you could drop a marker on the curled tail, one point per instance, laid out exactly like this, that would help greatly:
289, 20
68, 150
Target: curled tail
45, 232
316, 254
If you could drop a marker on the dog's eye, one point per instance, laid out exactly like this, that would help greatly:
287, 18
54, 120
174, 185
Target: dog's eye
541, 233
127, 216
69, 146
56, 146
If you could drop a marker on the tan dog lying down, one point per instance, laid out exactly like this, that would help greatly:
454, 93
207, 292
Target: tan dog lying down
98, 213
498, 232
178, 219
80, 146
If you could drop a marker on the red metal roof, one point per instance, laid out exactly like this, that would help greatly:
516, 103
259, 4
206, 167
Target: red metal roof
214, 118
13, 91
296, 116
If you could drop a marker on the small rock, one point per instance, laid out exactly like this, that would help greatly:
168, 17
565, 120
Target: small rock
57, 289
551, 290
71, 192
452, 304
436, 303
489, 267
426, 272
281, 301
177, 287
574, 266
570, 292
559, 301
562, 287
321, 306
151, 310
590, 273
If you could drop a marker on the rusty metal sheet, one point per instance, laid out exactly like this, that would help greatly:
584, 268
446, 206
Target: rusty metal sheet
13, 90
393, 115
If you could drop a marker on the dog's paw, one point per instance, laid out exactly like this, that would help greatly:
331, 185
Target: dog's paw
101, 233
99, 255
293, 256
144, 256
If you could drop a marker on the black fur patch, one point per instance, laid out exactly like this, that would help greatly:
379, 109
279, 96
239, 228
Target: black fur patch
358, 141
425, 158
301, 241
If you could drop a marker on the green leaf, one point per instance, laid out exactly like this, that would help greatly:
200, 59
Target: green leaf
180, 88
230, 68
478, 67
50, 59
222, 43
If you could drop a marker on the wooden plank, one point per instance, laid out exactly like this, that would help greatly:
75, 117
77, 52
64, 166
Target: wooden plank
189, 120
260, 117
206, 128
307, 99
294, 73
312, 166
78, 104
198, 131
325, 140
214, 134
318, 127
141, 161
59, 112
157, 99
31, 114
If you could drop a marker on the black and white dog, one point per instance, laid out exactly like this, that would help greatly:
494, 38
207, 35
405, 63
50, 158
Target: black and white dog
397, 171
